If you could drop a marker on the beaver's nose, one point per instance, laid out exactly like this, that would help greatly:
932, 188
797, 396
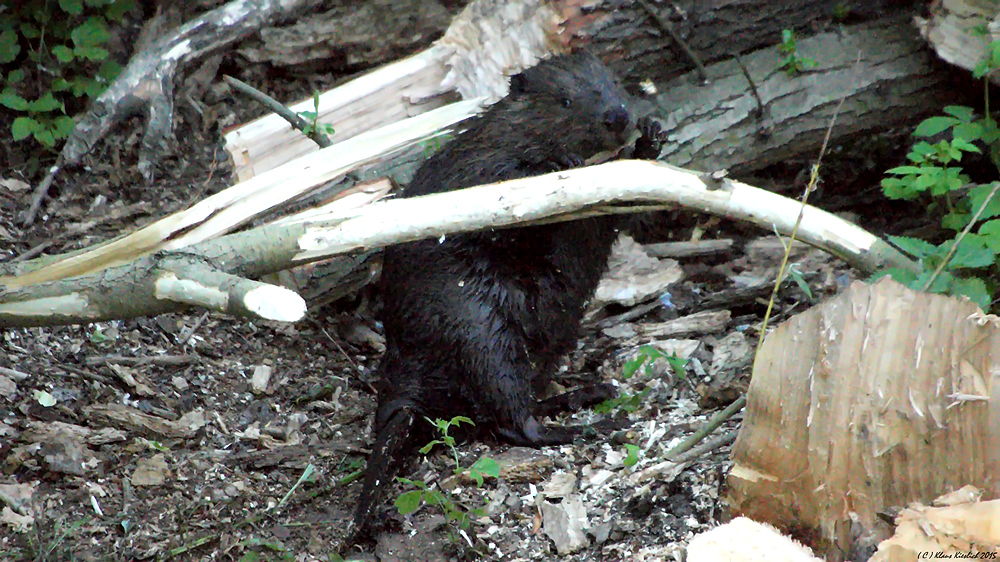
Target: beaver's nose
616, 119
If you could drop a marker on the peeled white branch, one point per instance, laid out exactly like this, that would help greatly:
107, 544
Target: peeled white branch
130, 290
589, 191
222, 292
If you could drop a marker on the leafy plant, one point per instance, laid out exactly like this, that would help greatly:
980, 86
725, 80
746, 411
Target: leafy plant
410, 501
967, 263
793, 63
644, 358
45, 549
52, 54
841, 11
628, 402
647, 355
313, 118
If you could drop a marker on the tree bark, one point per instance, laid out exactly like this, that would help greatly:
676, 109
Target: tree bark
880, 71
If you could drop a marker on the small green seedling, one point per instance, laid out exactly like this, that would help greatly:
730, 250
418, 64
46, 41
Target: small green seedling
793, 63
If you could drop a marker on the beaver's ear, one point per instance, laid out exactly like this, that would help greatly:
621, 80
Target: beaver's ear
517, 84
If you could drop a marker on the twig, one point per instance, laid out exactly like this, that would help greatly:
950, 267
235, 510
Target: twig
143, 360
40, 191
813, 180
958, 239
293, 118
11, 373
753, 86
189, 331
712, 444
669, 28
687, 445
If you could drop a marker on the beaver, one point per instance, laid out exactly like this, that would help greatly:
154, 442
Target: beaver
475, 323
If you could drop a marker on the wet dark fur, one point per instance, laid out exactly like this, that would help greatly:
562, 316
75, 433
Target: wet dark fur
476, 323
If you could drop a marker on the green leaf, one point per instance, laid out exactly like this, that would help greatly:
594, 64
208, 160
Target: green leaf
679, 364
965, 133
990, 228
72, 7
93, 88
901, 276
16, 76
960, 112
23, 127
787, 40
972, 252
895, 188
979, 30
913, 246
63, 53
978, 195
991, 132
934, 125
796, 276
91, 53
117, 9
927, 180
9, 98
631, 455
45, 103
941, 283
632, 366
952, 182
30, 31
109, 70
40, 13
408, 502
975, 289
79, 85
427, 448
990, 62
45, 137
955, 220
62, 126
994, 54
9, 46
486, 466
904, 170
91, 33
923, 148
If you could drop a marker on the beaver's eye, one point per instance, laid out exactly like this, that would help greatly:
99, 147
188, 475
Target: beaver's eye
567, 102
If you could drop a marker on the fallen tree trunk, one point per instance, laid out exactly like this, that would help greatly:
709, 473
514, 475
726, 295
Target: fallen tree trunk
880, 68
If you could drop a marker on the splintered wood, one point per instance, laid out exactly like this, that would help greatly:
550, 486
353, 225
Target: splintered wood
876, 399
957, 524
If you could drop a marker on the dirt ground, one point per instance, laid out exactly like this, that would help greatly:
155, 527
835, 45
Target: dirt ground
149, 439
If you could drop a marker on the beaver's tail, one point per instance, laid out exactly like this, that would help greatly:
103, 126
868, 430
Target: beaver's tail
392, 443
